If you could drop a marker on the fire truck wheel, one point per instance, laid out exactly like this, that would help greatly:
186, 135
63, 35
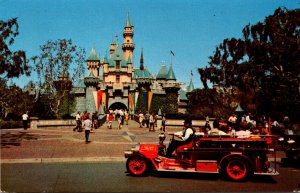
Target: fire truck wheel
136, 165
237, 169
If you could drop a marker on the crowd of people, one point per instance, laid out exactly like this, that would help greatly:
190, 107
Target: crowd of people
241, 125
120, 115
87, 121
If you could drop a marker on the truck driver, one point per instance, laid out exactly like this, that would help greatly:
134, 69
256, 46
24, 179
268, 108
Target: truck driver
185, 135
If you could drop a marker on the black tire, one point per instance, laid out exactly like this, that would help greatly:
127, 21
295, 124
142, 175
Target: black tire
237, 169
137, 165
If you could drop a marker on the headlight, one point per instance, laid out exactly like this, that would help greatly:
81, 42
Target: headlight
136, 147
290, 141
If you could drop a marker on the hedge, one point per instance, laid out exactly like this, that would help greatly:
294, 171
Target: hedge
10, 124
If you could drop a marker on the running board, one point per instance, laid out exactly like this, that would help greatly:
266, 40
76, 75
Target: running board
190, 171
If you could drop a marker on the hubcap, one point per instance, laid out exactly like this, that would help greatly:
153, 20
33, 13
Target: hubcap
236, 170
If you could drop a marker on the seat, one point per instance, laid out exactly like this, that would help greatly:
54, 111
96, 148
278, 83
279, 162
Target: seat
188, 145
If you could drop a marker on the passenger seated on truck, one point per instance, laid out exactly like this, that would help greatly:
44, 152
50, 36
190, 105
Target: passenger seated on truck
243, 133
186, 135
215, 130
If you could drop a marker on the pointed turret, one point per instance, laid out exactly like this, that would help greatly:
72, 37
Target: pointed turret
163, 72
128, 23
105, 60
93, 56
93, 62
171, 74
142, 61
190, 87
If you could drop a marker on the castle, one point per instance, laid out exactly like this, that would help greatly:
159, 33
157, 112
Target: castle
114, 82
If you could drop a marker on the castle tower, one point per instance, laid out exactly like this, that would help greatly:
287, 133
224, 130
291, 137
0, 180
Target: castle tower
128, 45
91, 83
93, 63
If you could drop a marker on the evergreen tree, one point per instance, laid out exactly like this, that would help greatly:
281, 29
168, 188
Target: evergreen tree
264, 64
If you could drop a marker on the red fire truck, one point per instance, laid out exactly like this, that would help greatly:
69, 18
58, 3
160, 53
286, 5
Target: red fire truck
234, 158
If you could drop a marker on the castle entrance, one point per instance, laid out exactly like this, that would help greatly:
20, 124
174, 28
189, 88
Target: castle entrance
118, 105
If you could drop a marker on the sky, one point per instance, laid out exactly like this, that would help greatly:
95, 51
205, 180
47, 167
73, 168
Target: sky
190, 28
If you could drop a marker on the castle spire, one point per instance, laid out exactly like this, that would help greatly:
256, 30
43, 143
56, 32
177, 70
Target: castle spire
142, 61
190, 87
128, 23
128, 45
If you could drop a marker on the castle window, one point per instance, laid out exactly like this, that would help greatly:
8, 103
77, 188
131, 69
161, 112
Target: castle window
117, 64
118, 78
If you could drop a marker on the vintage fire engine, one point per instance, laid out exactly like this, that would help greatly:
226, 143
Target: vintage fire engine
234, 158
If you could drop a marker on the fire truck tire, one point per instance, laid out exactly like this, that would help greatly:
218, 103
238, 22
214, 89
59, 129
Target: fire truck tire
136, 165
236, 169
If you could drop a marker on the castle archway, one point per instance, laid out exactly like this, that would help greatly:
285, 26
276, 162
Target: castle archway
118, 105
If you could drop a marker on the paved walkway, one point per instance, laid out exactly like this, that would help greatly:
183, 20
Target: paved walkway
61, 144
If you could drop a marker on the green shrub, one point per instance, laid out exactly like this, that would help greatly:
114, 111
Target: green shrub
10, 124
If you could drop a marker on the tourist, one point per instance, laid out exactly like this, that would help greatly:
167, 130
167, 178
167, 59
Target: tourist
163, 122
119, 119
87, 124
122, 116
243, 133
147, 118
95, 120
207, 125
232, 121
151, 122
84, 116
141, 118
215, 130
78, 122
250, 121
126, 117
110, 119
25, 118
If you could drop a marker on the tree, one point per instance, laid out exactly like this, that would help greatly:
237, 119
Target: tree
8, 102
264, 64
211, 102
58, 65
12, 64
171, 106
158, 102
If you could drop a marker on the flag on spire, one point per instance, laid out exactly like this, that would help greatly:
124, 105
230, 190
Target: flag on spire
192, 73
172, 53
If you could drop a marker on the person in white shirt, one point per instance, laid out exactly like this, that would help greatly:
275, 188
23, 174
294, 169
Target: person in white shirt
243, 133
25, 120
250, 121
78, 122
141, 119
151, 122
87, 124
185, 135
